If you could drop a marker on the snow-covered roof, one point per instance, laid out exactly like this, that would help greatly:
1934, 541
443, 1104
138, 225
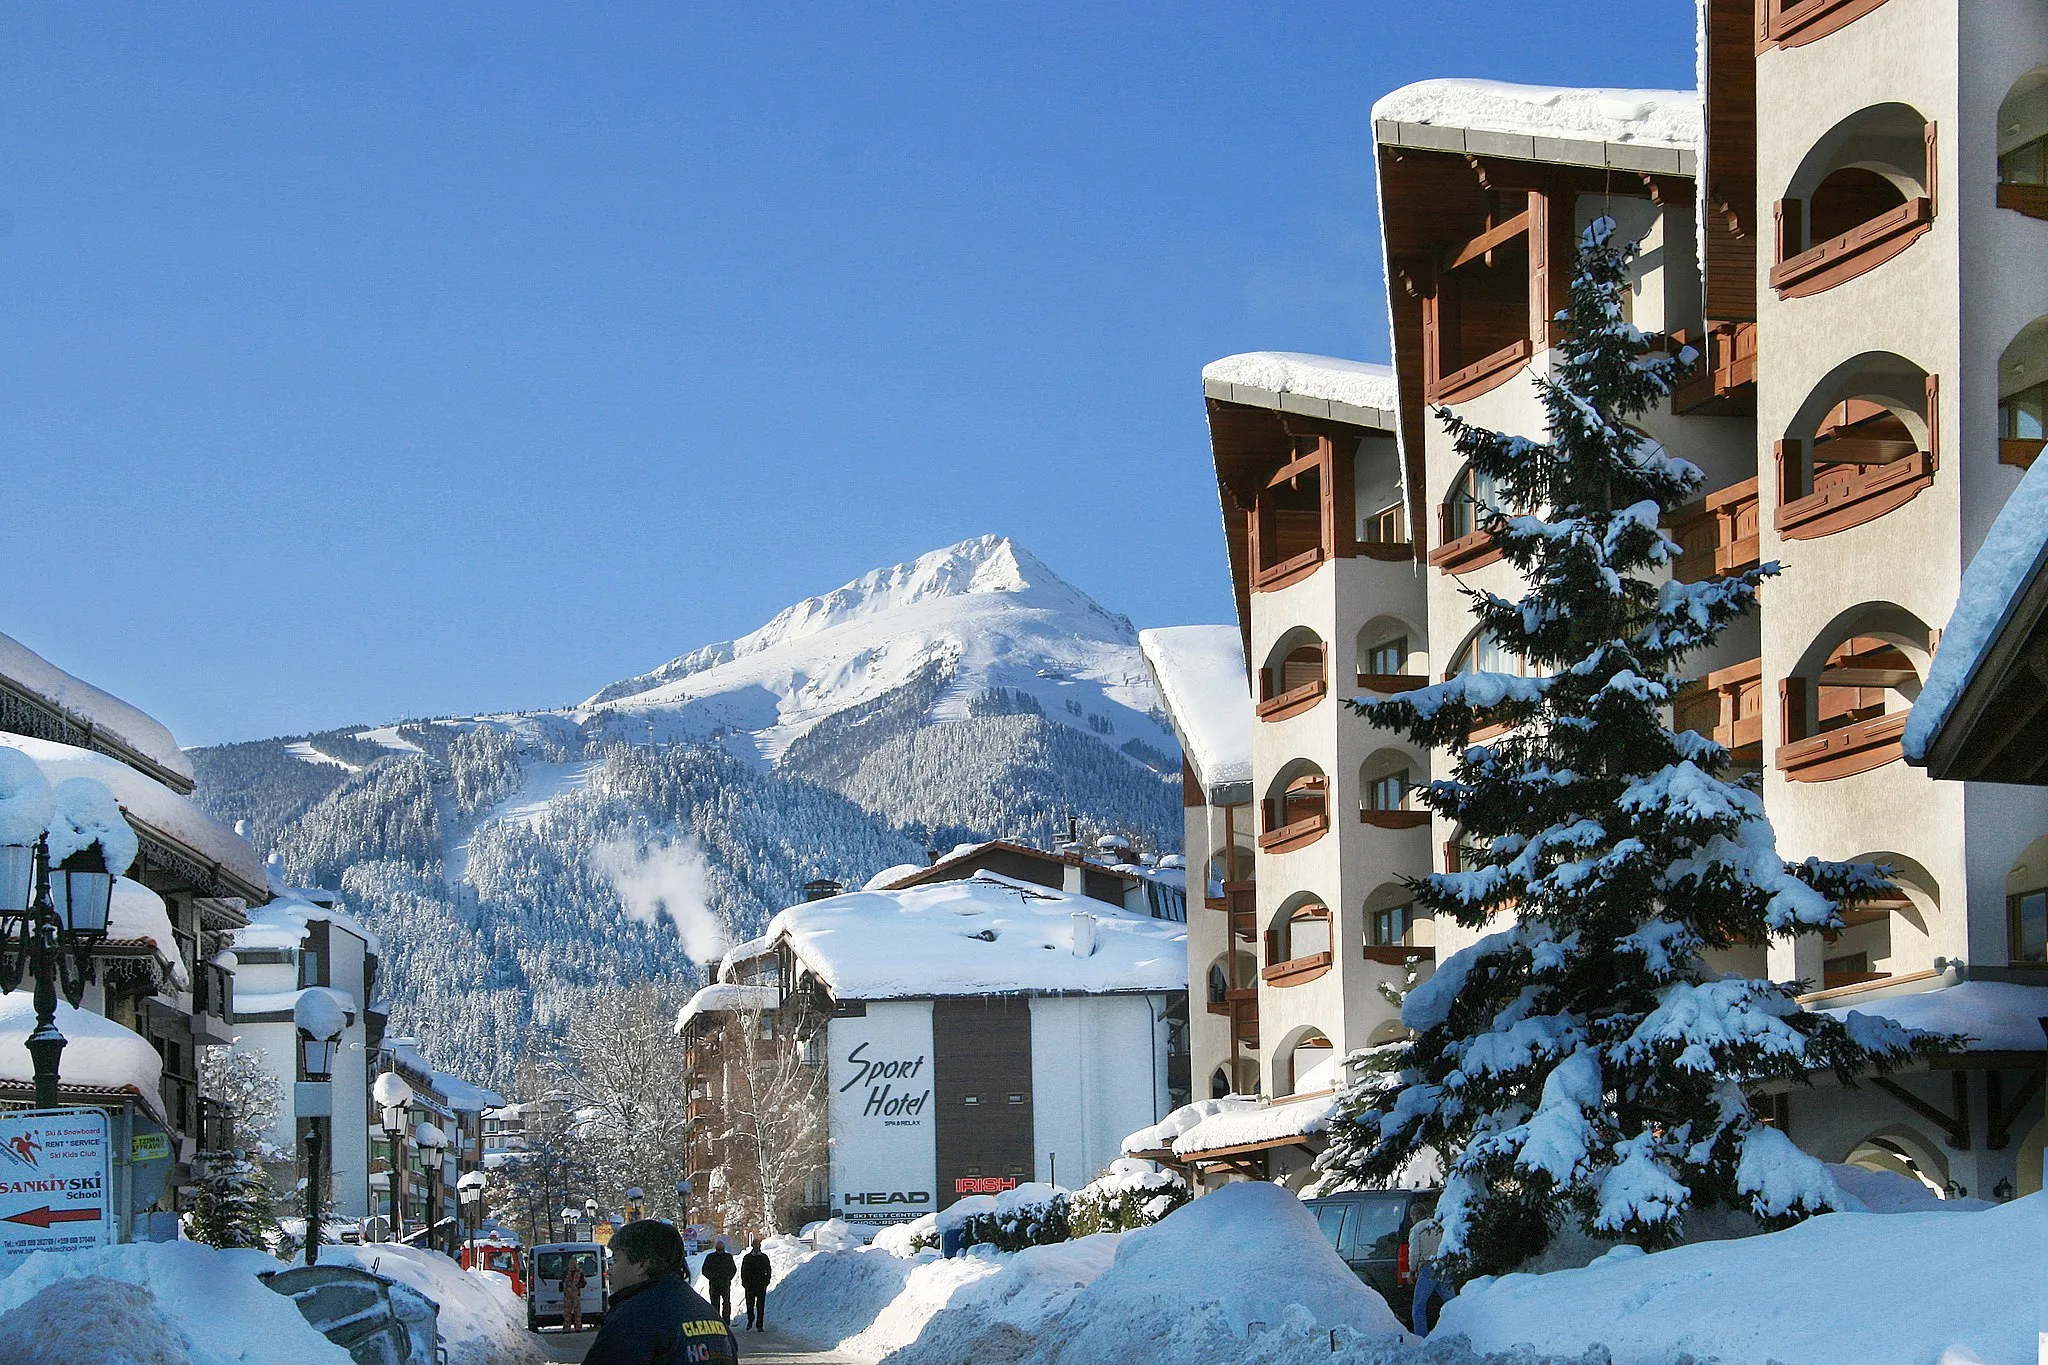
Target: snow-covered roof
104, 712
1361, 391
1999, 1016
729, 965
271, 1006
282, 924
460, 1094
1643, 130
149, 802
1201, 678
1234, 1121
1998, 576
984, 935
99, 1054
138, 914
724, 999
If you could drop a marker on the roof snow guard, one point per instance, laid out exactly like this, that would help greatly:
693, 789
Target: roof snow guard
1651, 131
1354, 391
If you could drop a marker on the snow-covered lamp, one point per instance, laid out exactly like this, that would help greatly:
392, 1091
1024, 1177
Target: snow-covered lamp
393, 1096
320, 1019
25, 810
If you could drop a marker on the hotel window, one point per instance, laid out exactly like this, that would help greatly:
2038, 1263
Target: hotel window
1388, 927
2027, 914
2026, 164
2023, 416
1388, 526
1473, 502
1389, 657
1389, 792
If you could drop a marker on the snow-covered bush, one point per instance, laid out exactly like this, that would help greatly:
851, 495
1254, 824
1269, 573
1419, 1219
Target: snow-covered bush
904, 1240
1130, 1194
1032, 1215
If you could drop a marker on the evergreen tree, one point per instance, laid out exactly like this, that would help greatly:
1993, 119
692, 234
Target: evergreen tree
1582, 1061
233, 1206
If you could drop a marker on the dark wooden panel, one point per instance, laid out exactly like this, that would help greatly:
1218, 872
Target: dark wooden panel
981, 1057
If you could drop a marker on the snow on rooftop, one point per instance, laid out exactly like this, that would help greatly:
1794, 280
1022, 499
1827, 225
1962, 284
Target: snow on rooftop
1201, 678
315, 999
282, 925
1360, 383
1656, 118
1233, 1121
149, 801
138, 913
1999, 1016
2010, 558
726, 999
985, 935
102, 710
99, 1054
729, 965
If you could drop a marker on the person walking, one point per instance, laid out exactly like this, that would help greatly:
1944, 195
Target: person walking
1425, 1243
573, 1281
719, 1268
655, 1317
755, 1277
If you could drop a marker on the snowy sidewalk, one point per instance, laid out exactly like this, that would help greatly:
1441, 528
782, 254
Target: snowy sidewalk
771, 1346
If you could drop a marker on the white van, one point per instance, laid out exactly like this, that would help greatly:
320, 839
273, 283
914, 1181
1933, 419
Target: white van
544, 1285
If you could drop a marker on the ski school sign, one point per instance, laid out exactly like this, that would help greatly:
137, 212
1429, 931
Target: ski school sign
884, 1159
56, 1181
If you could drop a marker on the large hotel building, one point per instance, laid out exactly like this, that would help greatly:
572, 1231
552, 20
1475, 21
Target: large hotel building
1849, 220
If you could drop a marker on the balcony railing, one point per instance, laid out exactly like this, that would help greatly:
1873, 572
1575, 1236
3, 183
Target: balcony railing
1398, 954
2020, 452
1293, 701
1296, 970
1387, 684
1726, 367
1717, 535
1393, 819
1846, 495
1863, 247
1794, 23
1853, 748
1295, 834
2031, 200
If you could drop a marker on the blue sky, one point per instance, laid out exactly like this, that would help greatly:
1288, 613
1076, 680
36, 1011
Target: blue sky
360, 362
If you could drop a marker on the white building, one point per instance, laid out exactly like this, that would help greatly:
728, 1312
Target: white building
977, 1033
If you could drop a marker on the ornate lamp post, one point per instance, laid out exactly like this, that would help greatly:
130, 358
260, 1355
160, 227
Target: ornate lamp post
431, 1141
59, 852
393, 1096
469, 1191
320, 1019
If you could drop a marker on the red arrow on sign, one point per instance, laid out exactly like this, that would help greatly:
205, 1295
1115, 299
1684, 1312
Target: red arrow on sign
43, 1217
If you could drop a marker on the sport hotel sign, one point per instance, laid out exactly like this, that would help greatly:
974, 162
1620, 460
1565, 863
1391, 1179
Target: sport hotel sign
883, 1152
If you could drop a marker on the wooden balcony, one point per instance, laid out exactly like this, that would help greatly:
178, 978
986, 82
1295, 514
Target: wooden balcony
1861, 249
1854, 748
1726, 371
1481, 376
1297, 970
1847, 495
1296, 834
1234, 1000
1294, 701
1391, 551
1397, 954
1288, 571
1795, 23
1462, 554
1717, 535
1387, 684
1393, 819
2031, 200
2020, 453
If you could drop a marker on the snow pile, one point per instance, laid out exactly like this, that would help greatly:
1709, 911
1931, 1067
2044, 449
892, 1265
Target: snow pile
149, 801
836, 1234
99, 1054
722, 999
1658, 118
480, 1323
83, 813
87, 704
987, 934
1233, 1121
153, 1303
985, 611
138, 914
1359, 383
1924, 1283
1889, 1192
1999, 1016
2009, 559
321, 1013
1201, 678
24, 798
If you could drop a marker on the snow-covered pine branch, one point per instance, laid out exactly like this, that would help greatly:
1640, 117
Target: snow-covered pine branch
1582, 1063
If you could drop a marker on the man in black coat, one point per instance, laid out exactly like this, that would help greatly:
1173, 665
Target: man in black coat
719, 1268
755, 1277
655, 1318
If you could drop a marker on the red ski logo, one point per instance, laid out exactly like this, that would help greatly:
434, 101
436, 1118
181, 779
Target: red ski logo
24, 1147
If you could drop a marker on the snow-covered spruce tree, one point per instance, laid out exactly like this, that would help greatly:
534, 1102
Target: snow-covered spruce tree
233, 1206
1582, 1062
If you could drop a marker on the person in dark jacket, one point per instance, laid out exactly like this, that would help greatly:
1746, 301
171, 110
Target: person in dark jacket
719, 1268
755, 1276
655, 1317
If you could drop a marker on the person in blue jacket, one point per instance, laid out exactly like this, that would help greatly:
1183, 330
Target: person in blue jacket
655, 1318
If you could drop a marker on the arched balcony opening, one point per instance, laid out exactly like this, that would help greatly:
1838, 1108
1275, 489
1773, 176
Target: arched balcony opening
1298, 943
1897, 1150
1865, 442
1390, 657
1392, 933
1844, 708
1864, 193
2023, 145
1888, 938
2023, 396
1470, 506
1296, 676
1297, 808
1482, 653
1308, 1063
1386, 784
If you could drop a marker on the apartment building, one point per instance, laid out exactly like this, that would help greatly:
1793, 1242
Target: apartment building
1850, 223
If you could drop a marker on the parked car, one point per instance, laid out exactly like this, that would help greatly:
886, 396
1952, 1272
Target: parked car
548, 1264
1369, 1229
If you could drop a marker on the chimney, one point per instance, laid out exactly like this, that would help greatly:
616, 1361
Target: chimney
1084, 934
932, 856
824, 888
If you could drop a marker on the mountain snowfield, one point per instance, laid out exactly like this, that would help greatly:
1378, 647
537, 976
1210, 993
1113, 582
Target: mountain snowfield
517, 861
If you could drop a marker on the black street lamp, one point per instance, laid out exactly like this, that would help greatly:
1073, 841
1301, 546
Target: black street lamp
320, 1021
54, 910
393, 1097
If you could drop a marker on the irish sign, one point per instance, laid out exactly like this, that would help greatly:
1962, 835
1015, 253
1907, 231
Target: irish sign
56, 1181
883, 1154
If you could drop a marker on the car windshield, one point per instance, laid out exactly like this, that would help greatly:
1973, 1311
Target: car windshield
552, 1265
